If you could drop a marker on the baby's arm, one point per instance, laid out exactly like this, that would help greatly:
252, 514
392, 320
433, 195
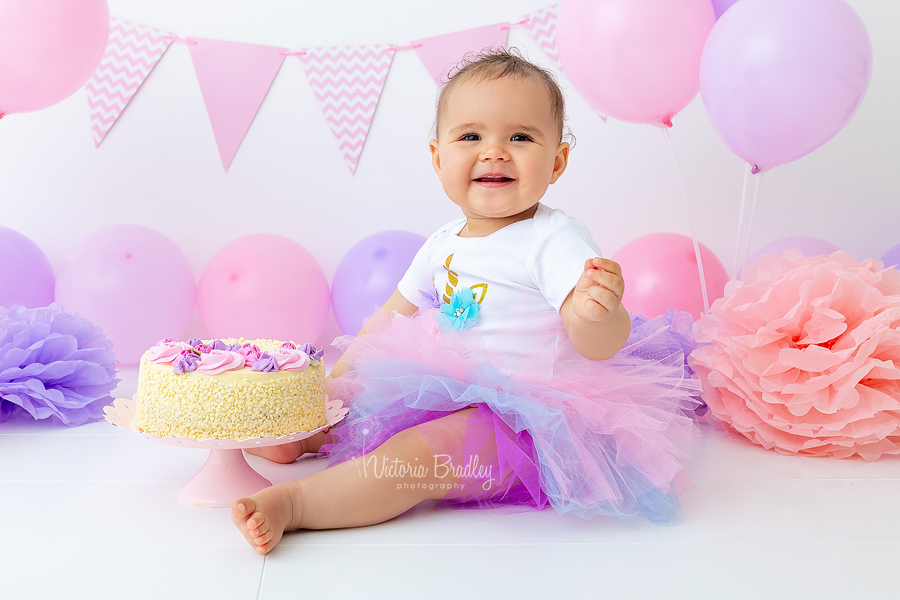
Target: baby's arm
396, 303
593, 315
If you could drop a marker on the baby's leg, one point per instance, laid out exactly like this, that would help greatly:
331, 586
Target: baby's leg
370, 489
288, 453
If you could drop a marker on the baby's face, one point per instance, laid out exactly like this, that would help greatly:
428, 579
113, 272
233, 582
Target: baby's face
498, 147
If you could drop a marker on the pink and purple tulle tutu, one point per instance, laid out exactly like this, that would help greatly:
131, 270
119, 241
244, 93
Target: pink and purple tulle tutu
587, 437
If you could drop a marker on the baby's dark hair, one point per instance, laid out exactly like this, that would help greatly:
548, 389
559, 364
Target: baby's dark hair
496, 63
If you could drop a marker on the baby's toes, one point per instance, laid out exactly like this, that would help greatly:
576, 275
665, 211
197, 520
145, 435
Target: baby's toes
263, 538
256, 521
241, 509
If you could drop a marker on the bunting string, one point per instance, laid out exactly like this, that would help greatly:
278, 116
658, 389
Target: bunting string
235, 77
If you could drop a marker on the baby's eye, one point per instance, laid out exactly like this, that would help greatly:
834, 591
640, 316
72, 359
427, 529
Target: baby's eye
521, 137
470, 137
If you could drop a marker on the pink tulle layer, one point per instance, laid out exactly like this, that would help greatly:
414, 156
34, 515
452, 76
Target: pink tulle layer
803, 356
606, 437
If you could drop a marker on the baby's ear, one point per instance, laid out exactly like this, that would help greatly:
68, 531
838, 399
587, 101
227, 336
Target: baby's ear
560, 161
435, 157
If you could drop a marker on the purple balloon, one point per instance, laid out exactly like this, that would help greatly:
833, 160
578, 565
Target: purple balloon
779, 78
720, 6
368, 275
891, 258
808, 246
26, 276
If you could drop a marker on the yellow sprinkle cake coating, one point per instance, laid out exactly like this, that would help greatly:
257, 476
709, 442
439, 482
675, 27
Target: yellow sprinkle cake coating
234, 405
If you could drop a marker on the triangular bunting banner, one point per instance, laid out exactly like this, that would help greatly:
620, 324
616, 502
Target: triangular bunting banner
131, 53
541, 25
442, 53
348, 81
234, 79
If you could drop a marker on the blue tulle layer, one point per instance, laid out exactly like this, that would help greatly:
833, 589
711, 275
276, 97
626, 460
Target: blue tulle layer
53, 364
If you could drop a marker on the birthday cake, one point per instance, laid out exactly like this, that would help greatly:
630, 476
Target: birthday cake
230, 389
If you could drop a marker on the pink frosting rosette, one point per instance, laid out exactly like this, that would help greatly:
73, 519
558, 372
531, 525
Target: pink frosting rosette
250, 352
217, 361
167, 351
804, 356
290, 359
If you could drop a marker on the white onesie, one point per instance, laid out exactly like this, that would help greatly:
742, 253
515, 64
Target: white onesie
520, 276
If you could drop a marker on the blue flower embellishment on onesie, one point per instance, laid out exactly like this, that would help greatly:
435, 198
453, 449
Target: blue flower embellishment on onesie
460, 313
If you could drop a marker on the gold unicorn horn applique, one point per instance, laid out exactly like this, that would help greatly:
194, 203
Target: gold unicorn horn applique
479, 289
453, 279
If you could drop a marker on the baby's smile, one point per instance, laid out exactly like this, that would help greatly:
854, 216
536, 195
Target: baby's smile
493, 180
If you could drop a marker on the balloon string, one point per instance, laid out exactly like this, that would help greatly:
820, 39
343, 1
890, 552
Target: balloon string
690, 222
759, 177
736, 271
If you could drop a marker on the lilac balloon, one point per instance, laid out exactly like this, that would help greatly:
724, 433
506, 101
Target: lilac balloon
782, 77
720, 6
131, 281
26, 276
808, 246
368, 275
891, 258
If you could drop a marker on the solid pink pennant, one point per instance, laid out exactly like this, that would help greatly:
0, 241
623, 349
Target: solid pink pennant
234, 78
442, 53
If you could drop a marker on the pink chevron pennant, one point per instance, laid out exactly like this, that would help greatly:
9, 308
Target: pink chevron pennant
347, 81
541, 25
131, 53
234, 79
442, 53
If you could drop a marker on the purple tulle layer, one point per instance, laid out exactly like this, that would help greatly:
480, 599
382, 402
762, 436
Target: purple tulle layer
606, 437
53, 364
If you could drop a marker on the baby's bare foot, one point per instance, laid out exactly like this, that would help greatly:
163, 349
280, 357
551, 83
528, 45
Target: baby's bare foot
288, 453
265, 516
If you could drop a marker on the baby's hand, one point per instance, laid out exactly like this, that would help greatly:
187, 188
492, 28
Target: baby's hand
599, 290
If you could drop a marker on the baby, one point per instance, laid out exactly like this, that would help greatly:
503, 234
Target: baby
504, 370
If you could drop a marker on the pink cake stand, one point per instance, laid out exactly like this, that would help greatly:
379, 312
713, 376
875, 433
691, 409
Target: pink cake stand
225, 476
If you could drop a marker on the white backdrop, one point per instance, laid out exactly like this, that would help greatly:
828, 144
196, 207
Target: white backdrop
159, 166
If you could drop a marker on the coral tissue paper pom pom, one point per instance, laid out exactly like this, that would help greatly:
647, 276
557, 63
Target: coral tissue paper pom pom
803, 356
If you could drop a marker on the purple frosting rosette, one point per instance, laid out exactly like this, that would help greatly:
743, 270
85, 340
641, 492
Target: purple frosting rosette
54, 364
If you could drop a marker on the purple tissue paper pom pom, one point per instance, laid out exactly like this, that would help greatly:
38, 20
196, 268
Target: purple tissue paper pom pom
54, 364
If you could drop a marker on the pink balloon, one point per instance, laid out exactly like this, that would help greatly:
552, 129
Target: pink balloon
264, 286
808, 246
660, 271
634, 60
131, 281
26, 276
782, 77
48, 50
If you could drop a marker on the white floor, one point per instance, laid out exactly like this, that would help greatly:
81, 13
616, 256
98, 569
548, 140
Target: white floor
92, 512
